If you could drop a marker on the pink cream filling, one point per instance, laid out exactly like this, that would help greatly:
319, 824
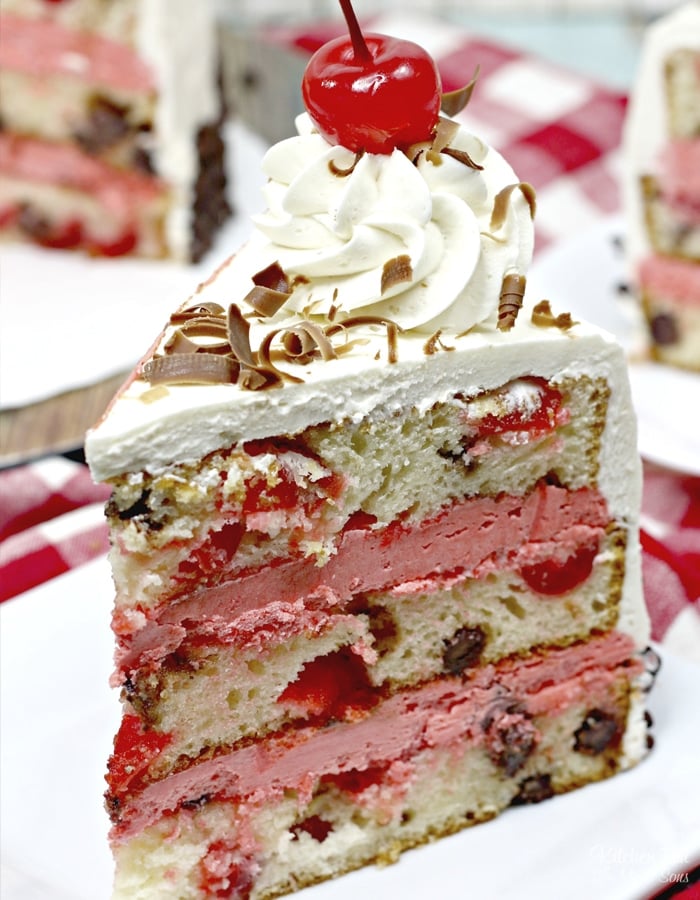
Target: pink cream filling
42, 48
676, 279
443, 713
680, 177
122, 193
459, 541
62, 164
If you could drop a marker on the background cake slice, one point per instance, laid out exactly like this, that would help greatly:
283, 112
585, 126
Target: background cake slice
374, 533
111, 121
662, 186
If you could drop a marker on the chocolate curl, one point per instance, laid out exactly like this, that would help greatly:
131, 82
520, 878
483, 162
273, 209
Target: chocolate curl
502, 198
343, 173
258, 379
265, 357
445, 130
271, 291
396, 271
265, 301
543, 317
199, 309
238, 329
510, 301
453, 102
463, 157
434, 341
191, 368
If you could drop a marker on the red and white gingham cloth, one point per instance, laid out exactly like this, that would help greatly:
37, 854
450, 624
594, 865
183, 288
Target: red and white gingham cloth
51, 520
559, 130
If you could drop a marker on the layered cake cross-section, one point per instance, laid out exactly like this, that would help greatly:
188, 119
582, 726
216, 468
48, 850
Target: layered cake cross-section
374, 535
111, 117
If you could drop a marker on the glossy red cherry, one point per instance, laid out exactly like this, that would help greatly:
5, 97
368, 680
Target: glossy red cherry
373, 92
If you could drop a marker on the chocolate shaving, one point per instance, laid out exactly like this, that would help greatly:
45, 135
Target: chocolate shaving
238, 329
510, 300
257, 379
432, 344
233, 360
463, 157
273, 277
271, 291
396, 271
199, 309
543, 317
392, 336
500, 203
191, 368
204, 326
343, 173
445, 130
453, 102
266, 301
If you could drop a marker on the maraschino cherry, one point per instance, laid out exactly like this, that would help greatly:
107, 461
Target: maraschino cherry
372, 92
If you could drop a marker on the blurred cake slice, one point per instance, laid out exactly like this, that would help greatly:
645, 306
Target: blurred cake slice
662, 186
111, 127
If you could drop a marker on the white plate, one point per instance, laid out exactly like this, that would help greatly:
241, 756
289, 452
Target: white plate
617, 840
69, 320
583, 276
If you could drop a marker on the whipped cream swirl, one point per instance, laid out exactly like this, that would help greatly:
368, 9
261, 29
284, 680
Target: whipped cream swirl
335, 223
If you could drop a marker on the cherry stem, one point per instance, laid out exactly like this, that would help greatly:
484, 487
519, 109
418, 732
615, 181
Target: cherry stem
358, 41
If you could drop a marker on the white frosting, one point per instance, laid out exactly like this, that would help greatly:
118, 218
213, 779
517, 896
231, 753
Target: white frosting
645, 131
178, 40
337, 232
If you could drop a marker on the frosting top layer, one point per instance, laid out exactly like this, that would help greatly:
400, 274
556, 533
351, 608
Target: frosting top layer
425, 242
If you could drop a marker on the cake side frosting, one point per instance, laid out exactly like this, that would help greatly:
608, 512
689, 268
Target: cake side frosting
647, 128
189, 97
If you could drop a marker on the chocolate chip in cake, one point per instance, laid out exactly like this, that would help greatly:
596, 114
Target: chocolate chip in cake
33, 223
139, 508
510, 735
106, 125
463, 649
598, 731
664, 329
511, 741
198, 803
383, 627
534, 789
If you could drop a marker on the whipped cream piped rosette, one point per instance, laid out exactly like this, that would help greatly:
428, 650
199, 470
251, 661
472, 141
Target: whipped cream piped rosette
337, 221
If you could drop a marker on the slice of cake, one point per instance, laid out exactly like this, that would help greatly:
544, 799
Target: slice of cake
110, 138
374, 534
662, 190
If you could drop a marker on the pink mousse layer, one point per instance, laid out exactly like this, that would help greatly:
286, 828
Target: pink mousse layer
680, 176
675, 279
448, 712
120, 192
471, 538
43, 48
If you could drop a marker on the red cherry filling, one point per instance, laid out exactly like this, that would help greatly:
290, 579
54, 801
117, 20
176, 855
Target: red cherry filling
541, 419
134, 751
332, 686
558, 576
372, 93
